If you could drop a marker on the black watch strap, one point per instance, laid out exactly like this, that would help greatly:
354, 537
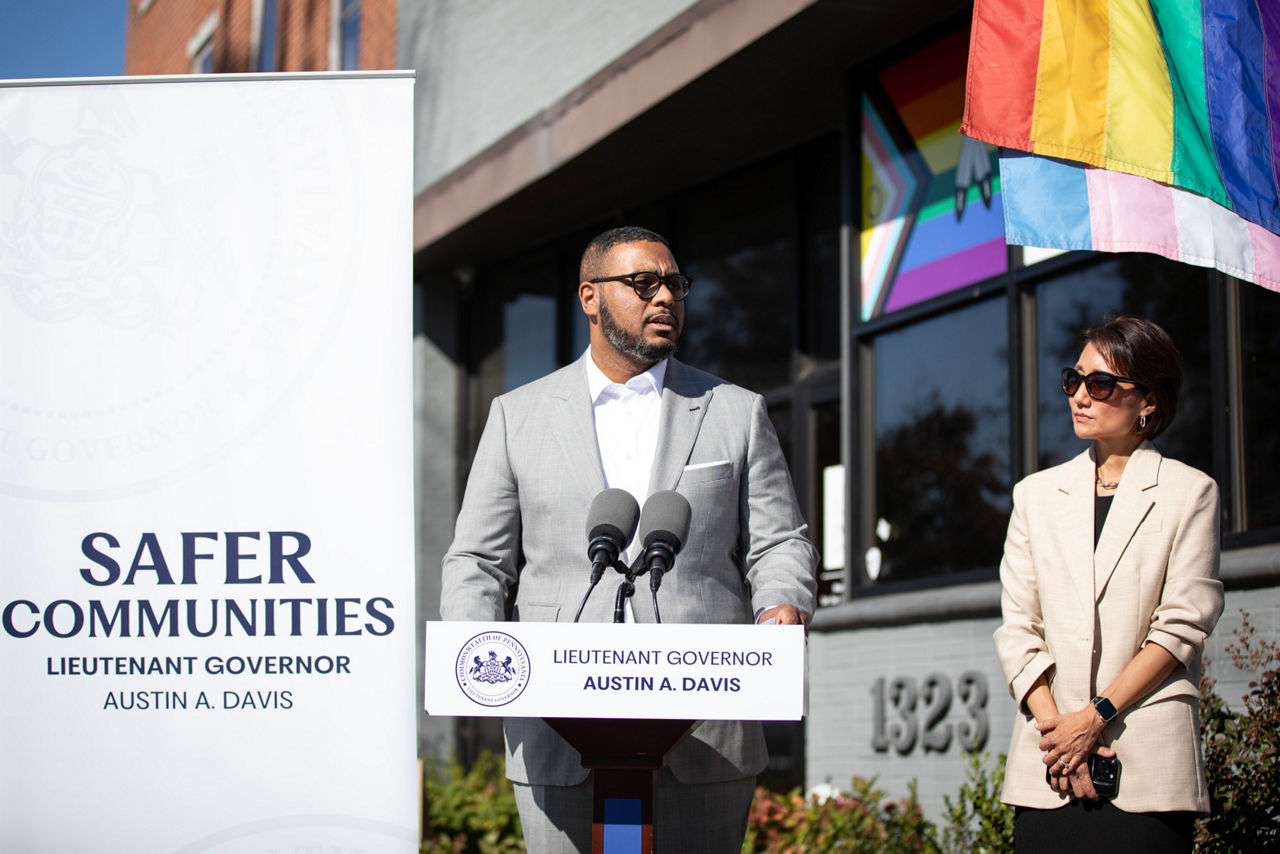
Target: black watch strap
1106, 709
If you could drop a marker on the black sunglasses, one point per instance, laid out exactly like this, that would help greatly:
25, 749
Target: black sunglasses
646, 284
1099, 384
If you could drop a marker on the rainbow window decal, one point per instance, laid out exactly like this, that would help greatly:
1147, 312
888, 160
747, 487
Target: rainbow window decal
931, 208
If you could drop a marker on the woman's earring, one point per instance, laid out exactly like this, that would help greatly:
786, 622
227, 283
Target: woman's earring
1142, 423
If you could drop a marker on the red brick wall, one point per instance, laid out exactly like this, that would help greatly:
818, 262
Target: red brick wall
378, 34
156, 41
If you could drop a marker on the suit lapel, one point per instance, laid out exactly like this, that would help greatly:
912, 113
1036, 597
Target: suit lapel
1131, 505
574, 427
1075, 488
684, 404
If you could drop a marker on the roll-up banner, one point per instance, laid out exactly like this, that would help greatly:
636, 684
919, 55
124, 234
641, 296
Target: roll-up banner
206, 542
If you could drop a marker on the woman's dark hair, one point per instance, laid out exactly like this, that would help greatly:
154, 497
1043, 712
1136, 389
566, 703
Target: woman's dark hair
1137, 348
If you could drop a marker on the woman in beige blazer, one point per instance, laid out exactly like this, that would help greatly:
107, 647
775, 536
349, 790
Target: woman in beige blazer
1110, 587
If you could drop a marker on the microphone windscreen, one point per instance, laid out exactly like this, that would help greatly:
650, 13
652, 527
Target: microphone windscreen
614, 513
666, 517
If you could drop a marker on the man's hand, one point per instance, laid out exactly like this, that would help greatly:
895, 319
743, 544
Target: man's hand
783, 615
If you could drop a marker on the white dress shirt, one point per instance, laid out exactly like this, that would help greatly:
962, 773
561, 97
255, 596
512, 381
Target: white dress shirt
627, 418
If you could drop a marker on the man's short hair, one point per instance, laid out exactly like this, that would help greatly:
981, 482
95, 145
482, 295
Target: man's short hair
592, 266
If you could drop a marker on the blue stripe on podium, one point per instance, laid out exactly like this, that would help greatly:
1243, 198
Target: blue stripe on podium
622, 825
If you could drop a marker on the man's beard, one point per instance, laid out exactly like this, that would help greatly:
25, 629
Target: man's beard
634, 345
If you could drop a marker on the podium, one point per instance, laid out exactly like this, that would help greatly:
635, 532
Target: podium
669, 677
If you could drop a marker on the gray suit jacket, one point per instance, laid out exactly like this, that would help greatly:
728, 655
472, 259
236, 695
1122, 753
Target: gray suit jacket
520, 542
1079, 616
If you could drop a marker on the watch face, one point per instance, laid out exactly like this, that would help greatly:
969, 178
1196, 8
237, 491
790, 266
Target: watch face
1106, 710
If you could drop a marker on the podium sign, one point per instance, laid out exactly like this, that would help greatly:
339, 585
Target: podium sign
608, 670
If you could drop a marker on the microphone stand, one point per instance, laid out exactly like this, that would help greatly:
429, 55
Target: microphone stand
627, 588
618, 566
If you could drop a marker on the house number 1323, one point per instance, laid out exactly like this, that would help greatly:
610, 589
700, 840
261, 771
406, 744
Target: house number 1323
905, 713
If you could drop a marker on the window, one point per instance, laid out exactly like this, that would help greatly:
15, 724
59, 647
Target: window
203, 61
200, 46
349, 27
826, 518
818, 168
266, 59
514, 327
942, 447
1260, 380
931, 209
738, 246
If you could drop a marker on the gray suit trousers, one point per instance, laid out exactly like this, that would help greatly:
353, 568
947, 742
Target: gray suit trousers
707, 818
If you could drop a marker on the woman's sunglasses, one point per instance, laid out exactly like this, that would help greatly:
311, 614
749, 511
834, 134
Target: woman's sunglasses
1100, 385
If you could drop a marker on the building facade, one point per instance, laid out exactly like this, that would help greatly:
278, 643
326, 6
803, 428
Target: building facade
849, 263
848, 258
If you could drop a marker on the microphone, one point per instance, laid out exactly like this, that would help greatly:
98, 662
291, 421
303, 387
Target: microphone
664, 526
611, 522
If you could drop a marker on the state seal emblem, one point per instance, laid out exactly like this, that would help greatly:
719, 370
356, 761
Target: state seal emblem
493, 668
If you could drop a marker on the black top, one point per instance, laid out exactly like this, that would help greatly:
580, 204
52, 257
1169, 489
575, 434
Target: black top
1101, 506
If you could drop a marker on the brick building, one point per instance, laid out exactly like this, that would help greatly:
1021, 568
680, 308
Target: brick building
236, 36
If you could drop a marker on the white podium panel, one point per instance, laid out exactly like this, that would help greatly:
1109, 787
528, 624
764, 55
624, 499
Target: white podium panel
608, 670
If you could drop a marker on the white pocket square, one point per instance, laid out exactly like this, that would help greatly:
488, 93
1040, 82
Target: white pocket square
697, 466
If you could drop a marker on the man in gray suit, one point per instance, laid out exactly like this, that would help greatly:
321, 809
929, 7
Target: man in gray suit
628, 415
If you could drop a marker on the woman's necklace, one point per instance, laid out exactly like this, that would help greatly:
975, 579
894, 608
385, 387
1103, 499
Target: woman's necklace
1112, 484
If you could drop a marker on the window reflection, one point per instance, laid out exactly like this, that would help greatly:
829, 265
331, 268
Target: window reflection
740, 251
942, 402
350, 35
1259, 319
529, 333
514, 325
267, 37
826, 521
1170, 294
819, 182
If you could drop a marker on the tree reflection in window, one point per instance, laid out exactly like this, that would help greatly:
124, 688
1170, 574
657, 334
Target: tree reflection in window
739, 320
739, 247
1260, 369
944, 495
942, 445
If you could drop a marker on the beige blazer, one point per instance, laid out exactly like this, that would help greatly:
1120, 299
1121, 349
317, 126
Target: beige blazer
1079, 616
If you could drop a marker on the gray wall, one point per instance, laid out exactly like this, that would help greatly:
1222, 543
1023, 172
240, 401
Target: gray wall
485, 67
845, 665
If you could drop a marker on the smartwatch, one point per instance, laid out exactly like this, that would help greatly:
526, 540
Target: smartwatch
1106, 709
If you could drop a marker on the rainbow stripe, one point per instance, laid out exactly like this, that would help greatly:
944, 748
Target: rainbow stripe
918, 239
1182, 92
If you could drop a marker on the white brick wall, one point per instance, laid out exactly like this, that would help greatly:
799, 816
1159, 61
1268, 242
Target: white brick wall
845, 665
1263, 606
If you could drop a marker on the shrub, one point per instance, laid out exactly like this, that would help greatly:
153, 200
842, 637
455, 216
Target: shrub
863, 821
470, 811
1241, 752
977, 821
